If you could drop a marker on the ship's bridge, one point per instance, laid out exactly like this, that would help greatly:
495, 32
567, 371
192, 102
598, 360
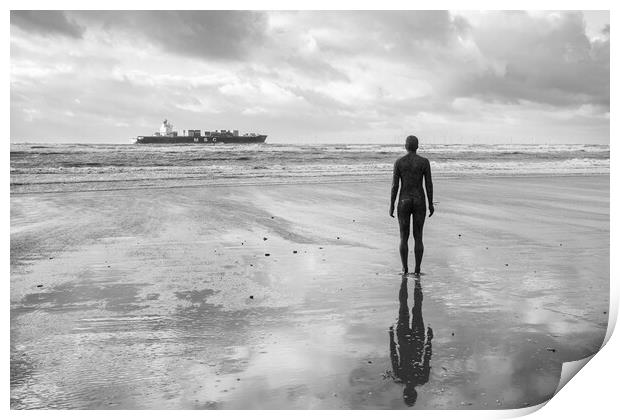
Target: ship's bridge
166, 128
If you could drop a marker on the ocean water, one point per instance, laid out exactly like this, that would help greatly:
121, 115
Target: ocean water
83, 167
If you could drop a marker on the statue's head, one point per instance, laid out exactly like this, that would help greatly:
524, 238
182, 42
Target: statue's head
411, 144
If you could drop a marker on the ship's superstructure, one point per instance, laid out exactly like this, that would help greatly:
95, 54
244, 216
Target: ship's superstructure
167, 135
166, 129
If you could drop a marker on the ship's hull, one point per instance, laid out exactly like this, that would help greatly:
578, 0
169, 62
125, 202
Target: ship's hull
200, 140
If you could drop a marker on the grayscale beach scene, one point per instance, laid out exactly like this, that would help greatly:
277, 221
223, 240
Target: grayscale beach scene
217, 269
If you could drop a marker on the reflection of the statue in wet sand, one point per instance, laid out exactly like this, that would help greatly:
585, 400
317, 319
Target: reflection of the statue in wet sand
411, 350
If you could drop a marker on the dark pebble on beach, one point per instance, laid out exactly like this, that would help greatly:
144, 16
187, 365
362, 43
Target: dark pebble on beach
459, 235
294, 252
337, 237
370, 362
264, 239
506, 265
551, 349
266, 255
604, 312
453, 334
320, 247
251, 296
272, 217
39, 285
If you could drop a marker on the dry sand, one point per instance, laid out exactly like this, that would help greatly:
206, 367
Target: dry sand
166, 298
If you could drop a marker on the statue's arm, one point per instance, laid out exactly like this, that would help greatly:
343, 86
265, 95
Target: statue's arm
394, 192
428, 183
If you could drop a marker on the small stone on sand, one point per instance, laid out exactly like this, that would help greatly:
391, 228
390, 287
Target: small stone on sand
251, 296
294, 252
266, 255
264, 239
39, 285
551, 349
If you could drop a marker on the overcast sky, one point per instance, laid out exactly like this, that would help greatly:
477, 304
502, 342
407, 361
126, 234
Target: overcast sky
312, 76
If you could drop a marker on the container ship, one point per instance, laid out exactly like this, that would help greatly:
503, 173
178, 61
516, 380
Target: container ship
167, 135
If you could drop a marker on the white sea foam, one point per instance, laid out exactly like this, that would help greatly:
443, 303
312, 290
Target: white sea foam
38, 167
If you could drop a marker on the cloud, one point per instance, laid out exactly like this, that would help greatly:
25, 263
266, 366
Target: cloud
216, 34
327, 76
539, 58
46, 22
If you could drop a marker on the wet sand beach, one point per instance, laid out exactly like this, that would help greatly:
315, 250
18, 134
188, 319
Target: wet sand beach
281, 296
